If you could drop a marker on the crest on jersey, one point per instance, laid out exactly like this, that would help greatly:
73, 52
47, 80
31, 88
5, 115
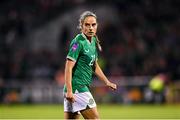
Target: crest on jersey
74, 46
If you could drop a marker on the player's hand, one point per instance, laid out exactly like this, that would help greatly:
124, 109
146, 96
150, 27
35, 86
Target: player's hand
111, 85
70, 97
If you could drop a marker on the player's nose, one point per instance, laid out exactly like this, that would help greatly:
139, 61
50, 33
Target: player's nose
90, 27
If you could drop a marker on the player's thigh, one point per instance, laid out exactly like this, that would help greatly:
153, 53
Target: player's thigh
90, 113
70, 115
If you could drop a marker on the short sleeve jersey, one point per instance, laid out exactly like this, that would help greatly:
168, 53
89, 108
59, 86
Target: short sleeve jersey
84, 53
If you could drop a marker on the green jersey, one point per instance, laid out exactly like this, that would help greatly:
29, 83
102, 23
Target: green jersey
84, 53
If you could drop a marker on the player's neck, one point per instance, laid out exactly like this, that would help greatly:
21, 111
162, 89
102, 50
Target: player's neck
89, 38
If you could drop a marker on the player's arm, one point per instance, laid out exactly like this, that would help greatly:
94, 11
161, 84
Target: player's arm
99, 73
68, 78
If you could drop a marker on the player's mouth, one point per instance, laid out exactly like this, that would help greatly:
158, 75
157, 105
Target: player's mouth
90, 32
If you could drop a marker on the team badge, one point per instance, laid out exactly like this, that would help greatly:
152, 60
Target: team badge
74, 46
91, 101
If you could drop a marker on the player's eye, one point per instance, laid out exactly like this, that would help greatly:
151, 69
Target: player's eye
94, 24
87, 25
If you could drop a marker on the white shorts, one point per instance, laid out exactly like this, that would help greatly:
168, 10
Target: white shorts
82, 101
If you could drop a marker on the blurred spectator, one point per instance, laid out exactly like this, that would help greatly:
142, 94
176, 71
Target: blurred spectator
144, 37
12, 97
59, 77
158, 87
135, 95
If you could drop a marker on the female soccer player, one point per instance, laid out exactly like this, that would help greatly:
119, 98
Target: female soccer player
81, 63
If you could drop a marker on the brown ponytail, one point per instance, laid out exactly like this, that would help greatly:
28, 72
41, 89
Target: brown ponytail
98, 43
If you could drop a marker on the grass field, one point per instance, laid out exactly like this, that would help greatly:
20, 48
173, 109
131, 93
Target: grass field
114, 111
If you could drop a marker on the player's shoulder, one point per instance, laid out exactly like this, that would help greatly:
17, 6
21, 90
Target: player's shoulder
79, 38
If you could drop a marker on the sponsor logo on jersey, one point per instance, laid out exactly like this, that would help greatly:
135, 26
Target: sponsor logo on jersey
86, 51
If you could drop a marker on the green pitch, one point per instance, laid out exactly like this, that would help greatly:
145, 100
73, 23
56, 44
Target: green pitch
114, 111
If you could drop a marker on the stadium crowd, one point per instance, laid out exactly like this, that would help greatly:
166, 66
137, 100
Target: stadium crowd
145, 40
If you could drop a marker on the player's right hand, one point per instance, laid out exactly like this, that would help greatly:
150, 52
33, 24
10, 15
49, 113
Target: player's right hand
70, 97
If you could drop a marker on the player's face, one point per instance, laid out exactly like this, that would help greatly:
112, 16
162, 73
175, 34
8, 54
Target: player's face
89, 26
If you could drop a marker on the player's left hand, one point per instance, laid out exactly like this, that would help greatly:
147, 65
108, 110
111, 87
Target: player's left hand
112, 85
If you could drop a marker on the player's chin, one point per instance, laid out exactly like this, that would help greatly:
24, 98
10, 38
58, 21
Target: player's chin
91, 34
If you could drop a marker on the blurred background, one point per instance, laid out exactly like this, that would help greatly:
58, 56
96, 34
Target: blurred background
140, 40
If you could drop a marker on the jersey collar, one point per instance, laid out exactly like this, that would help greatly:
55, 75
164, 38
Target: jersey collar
84, 36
